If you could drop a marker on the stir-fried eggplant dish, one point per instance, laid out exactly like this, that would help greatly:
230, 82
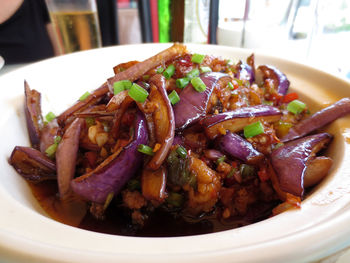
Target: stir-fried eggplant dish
179, 144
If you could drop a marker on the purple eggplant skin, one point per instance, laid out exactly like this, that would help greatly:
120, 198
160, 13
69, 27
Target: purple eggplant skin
66, 156
33, 165
244, 72
235, 146
193, 104
280, 80
236, 120
319, 119
111, 176
32, 110
290, 161
213, 154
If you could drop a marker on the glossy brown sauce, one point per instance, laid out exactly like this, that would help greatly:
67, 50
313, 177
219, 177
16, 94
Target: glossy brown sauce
160, 223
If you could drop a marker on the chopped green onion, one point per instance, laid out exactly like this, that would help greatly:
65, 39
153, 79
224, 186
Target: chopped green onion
182, 152
121, 85
296, 106
181, 83
137, 93
230, 62
205, 69
160, 70
277, 145
57, 139
108, 200
89, 121
197, 58
193, 73
84, 96
174, 97
198, 84
51, 150
267, 102
247, 171
175, 199
145, 77
221, 159
253, 129
145, 149
169, 72
230, 85
231, 173
50, 116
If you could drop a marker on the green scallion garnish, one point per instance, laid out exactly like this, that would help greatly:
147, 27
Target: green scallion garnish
84, 96
174, 97
253, 129
198, 84
296, 106
169, 72
137, 93
57, 139
50, 116
205, 69
182, 152
121, 85
160, 70
145, 149
175, 199
230, 85
221, 159
197, 58
89, 121
51, 150
193, 73
230, 62
181, 83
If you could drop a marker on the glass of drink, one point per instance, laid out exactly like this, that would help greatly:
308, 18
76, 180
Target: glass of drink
75, 24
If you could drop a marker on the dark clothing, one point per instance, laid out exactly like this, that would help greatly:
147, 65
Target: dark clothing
23, 37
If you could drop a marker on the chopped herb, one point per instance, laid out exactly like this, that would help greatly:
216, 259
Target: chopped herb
230, 85
51, 150
198, 84
145, 149
175, 199
84, 96
253, 129
221, 159
89, 121
197, 58
137, 93
182, 82
193, 73
174, 97
169, 72
160, 70
121, 85
247, 171
182, 152
296, 106
50, 116
108, 200
57, 139
205, 69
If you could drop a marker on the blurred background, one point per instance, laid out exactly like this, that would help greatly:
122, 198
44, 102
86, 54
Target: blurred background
316, 32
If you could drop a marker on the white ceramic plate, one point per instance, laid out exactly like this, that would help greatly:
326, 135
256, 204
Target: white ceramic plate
320, 228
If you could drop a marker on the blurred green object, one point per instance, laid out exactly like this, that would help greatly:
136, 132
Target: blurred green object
164, 16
